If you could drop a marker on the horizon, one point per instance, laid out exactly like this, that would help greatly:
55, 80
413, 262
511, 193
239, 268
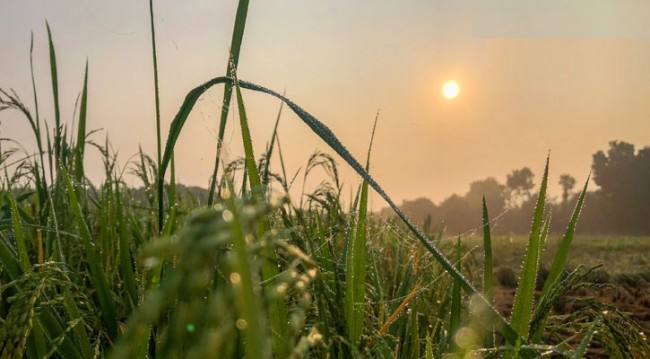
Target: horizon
526, 88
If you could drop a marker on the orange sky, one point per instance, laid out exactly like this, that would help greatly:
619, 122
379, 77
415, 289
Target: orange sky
561, 76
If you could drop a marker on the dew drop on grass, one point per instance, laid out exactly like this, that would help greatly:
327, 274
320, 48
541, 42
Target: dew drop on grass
225, 194
282, 287
235, 278
150, 262
227, 216
190, 328
241, 324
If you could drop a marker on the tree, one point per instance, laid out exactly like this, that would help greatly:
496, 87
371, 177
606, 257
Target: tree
519, 184
494, 193
623, 176
567, 182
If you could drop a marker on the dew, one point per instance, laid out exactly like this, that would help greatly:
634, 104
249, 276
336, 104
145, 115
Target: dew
241, 324
235, 278
314, 337
227, 216
282, 287
466, 337
312, 273
225, 194
150, 262
300, 285
190, 328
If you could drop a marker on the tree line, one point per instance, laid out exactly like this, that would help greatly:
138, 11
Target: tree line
619, 205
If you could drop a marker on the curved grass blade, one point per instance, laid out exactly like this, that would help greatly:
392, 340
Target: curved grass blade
523, 304
328, 136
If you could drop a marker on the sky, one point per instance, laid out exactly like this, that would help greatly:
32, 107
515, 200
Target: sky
535, 76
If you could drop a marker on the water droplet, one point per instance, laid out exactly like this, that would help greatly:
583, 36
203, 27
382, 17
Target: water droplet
241, 324
235, 278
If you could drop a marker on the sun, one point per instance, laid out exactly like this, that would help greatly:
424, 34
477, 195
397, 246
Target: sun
450, 90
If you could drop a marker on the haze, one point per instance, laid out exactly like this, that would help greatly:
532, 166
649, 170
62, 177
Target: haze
535, 76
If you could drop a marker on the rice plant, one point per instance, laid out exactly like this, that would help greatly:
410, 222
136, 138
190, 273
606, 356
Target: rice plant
104, 270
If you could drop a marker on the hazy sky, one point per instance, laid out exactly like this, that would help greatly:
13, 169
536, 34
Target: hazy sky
564, 76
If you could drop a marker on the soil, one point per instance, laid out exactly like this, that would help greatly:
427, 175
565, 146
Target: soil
632, 298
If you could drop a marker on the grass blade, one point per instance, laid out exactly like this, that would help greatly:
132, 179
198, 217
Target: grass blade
161, 179
488, 272
560, 258
251, 165
97, 278
454, 317
561, 255
19, 235
81, 132
243, 285
278, 310
9, 260
126, 265
55, 93
235, 47
584, 344
355, 273
523, 304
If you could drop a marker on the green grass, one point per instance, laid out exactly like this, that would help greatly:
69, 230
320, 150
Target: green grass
104, 270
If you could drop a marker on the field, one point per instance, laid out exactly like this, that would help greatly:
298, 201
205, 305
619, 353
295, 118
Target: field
104, 270
623, 277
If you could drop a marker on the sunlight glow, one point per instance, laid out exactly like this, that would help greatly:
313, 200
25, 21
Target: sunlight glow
450, 90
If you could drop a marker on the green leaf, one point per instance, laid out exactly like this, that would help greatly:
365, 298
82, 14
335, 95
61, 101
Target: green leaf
106, 302
560, 258
55, 94
19, 235
355, 274
241, 278
235, 47
488, 273
523, 304
584, 344
81, 131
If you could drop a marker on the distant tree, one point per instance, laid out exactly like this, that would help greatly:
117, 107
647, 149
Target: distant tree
567, 182
623, 176
494, 192
455, 212
420, 211
519, 184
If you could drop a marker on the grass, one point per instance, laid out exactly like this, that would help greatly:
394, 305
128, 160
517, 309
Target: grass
97, 270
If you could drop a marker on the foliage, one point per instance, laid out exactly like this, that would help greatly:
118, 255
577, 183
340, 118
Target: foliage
109, 271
